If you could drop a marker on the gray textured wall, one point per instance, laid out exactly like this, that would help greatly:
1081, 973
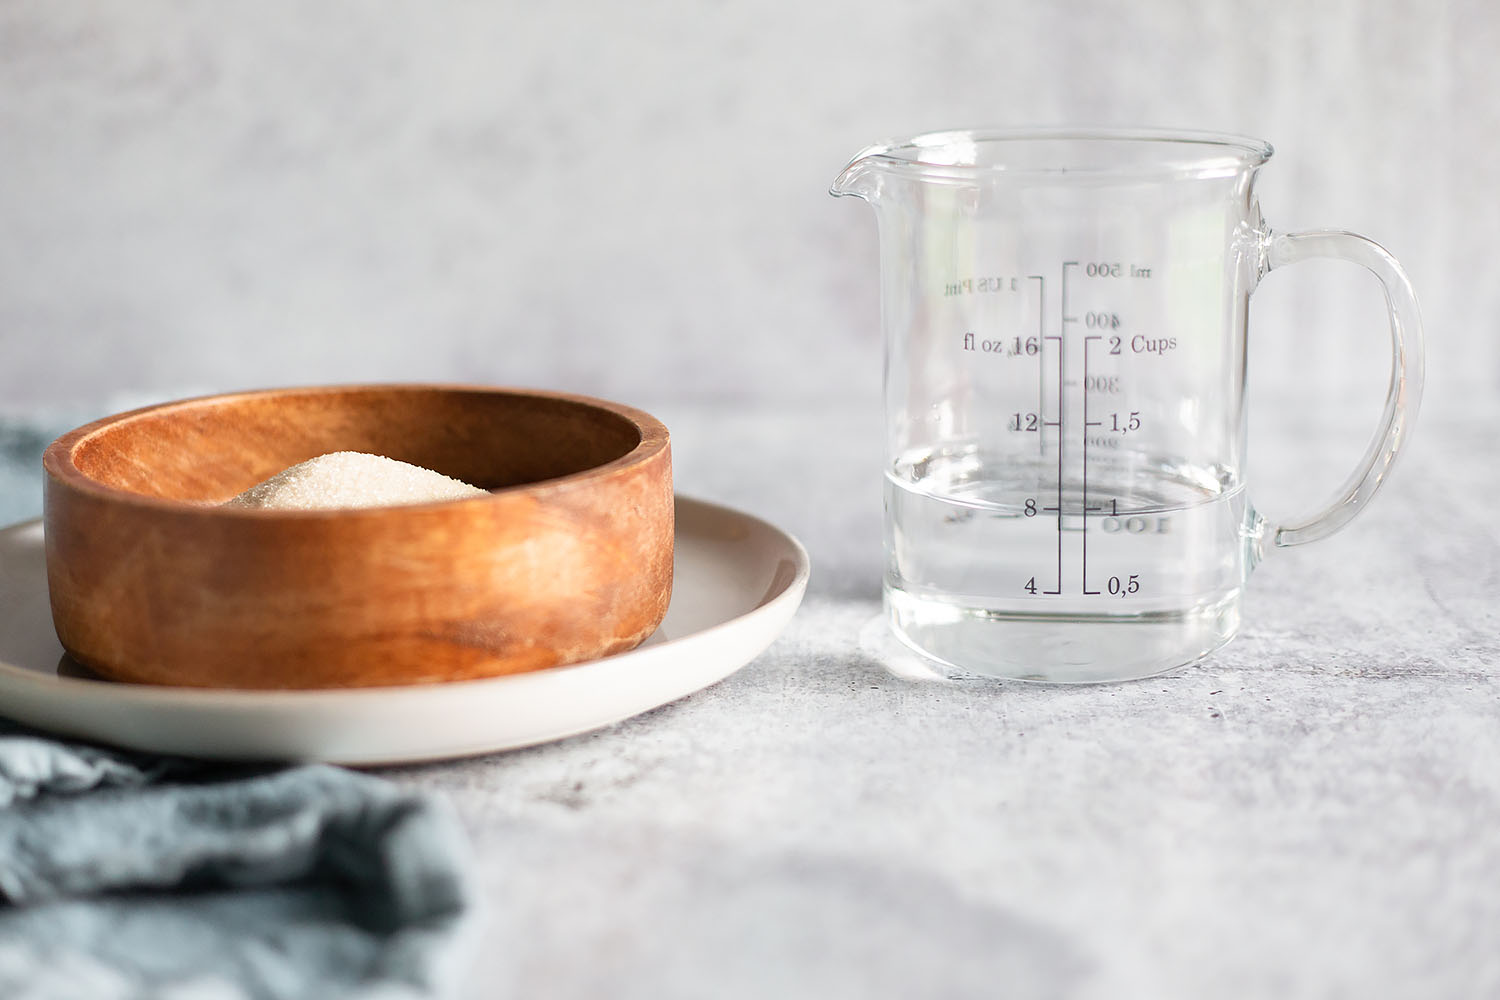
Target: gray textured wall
629, 199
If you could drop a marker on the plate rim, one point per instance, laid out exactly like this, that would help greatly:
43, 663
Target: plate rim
781, 593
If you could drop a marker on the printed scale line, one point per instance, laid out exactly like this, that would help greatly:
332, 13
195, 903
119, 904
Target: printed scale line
1087, 423
1062, 371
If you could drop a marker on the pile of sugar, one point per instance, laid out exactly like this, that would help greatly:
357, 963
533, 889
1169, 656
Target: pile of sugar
352, 479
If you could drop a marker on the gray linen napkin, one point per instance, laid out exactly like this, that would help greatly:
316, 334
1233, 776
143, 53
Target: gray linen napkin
127, 876
21, 446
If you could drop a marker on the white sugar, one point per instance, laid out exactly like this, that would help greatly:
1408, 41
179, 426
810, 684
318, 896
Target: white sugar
352, 479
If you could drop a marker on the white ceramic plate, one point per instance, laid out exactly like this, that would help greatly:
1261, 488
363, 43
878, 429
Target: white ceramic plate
738, 580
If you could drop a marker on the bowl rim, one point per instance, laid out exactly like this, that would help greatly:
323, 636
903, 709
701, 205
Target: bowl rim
58, 464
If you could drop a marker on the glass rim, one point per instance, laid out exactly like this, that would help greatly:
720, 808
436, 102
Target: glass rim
1221, 151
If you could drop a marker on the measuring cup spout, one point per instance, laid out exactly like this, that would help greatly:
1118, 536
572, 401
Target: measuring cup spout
861, 178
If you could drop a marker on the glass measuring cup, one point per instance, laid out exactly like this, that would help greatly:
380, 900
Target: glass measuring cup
1065, 315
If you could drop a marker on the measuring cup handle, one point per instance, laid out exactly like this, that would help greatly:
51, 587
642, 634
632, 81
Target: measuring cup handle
1405, 394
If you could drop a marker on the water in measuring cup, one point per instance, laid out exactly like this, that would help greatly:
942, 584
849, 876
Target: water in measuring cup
1138, 572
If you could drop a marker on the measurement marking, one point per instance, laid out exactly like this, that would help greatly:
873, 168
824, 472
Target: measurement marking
1041, 354
1084, 540
1062, 369
1065, 317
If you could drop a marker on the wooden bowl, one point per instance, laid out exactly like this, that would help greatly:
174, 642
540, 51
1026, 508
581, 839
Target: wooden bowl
569, 559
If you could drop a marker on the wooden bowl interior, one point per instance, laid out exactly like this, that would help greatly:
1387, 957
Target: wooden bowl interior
212, 449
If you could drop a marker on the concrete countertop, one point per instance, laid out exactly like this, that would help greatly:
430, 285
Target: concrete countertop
1314, 811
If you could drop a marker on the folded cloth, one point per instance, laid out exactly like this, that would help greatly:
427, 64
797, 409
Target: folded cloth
21, 445
132, 876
